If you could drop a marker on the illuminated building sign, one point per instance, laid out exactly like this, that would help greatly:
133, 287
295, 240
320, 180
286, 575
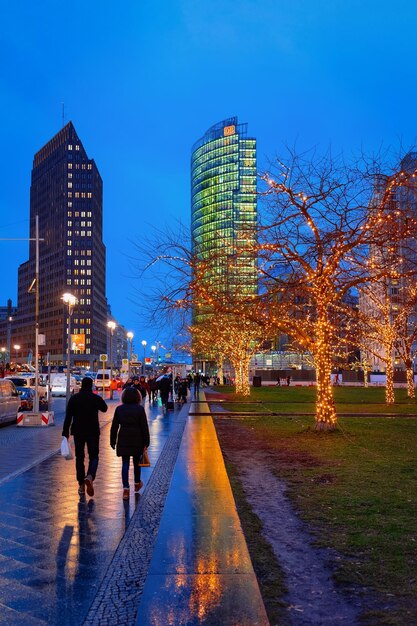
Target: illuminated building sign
229, 130
78, 342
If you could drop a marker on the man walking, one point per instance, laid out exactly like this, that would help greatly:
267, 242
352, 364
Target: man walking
197, 381
81, 420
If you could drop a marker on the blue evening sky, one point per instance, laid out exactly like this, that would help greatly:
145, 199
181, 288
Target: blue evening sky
142, 80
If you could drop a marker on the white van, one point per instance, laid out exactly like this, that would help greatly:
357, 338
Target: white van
59, 385
103, 382
9, 401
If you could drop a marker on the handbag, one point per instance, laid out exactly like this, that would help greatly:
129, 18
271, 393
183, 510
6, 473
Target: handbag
144, 459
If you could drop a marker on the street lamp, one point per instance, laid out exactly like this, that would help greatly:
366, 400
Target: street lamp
129, 336
70, 301
153, 348
16, 347
144, 344
111, 325
3, 358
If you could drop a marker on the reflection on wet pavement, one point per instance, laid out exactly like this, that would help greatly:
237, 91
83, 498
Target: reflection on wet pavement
56, 546
201, 571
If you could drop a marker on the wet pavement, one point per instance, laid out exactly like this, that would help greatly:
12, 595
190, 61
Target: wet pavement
200, 572
174, 555
55, 547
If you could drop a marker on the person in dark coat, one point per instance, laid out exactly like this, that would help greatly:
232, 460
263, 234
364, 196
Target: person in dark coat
81, 420
144, 389
164, 386
129, 434
153, 389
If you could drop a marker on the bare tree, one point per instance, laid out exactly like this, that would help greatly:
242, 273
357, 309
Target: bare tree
319, 225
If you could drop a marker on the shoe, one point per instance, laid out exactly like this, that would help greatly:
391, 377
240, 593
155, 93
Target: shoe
81, 489
89, 485
138, 486
126, 494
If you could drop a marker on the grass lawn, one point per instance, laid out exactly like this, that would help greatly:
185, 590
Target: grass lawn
302, 399
356, 487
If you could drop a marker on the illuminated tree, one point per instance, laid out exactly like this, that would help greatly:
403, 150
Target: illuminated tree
321, 219
389, 329
226, 320
364, 364
237, 333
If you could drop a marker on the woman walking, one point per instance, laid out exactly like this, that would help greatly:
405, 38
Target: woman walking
129, 434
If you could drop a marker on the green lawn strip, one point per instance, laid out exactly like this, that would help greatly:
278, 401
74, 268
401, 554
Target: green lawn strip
356, 489
302, 399
268, 572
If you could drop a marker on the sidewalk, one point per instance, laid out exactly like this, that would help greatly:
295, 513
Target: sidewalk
175, 555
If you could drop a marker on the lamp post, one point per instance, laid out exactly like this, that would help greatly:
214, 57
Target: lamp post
70, 301
16, 347
153, 348
144, 344
111, 325
3, 360
129, 336
9, 336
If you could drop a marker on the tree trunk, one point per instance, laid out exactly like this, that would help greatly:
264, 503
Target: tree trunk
326, 418
389, 388
410, 380
242, 375
365, 377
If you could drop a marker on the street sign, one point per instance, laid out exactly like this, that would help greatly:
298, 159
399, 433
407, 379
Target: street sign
125, 365
103, 357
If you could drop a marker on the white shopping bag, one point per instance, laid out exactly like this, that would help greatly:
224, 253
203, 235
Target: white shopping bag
66, 450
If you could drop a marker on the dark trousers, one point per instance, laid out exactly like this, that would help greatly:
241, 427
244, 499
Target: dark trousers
125, 469
164, 397
93, 448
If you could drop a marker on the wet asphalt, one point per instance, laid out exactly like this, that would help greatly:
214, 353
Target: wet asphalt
55, 546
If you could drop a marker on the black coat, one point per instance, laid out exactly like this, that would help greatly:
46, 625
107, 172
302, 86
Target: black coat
129, 429
81, 417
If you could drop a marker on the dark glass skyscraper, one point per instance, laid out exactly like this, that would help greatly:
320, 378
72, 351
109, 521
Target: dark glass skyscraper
66, 194
224, 205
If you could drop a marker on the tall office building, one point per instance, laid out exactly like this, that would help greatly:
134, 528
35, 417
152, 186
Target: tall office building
66, 194
224, 206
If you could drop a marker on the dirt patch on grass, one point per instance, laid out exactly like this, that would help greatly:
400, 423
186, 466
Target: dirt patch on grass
312, 595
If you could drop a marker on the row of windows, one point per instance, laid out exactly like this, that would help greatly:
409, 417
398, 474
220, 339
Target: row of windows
82, 262
77, 233
80, 194
79, 185
79, 213
79, 281
83, 166
78, 224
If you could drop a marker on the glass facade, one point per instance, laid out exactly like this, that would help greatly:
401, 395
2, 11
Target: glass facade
224, 206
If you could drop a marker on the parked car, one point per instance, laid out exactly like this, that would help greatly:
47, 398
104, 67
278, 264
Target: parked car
9, 401
59, 385
27, 398
28, 380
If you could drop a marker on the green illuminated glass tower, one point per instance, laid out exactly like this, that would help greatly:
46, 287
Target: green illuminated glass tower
224, 206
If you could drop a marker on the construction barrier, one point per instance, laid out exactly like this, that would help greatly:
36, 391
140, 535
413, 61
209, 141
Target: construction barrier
43, 418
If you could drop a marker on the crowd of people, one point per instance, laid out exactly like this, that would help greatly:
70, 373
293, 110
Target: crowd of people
129, 433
